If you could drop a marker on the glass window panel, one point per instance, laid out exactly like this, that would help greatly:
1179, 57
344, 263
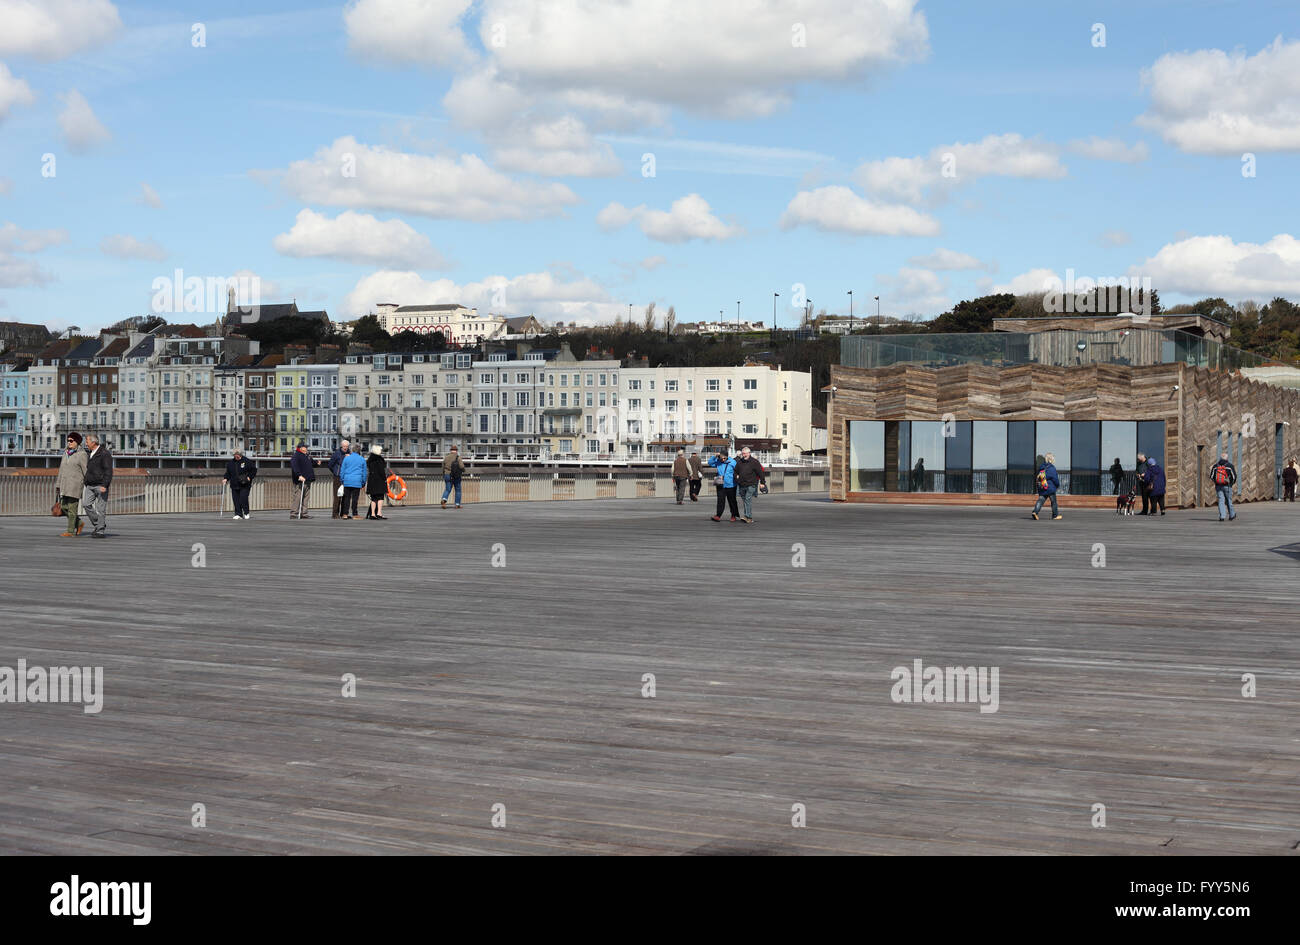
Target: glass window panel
1119, 443
1021, 451
900, 479
989, 456
1151, 439
866, 455
957, 457
1085, 457
928, 451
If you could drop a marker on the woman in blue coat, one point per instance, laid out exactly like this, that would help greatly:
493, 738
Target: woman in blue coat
1048, 483
352, 473
726, 468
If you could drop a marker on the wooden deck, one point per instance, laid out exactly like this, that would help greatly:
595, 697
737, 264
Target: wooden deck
521, 685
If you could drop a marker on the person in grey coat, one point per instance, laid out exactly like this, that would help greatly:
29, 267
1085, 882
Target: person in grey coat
71, 482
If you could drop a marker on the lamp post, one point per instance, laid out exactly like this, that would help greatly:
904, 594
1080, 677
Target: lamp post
877, 310
775, 296
850, 311
737, 316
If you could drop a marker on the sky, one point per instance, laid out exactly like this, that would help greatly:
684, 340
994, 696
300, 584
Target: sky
567, 159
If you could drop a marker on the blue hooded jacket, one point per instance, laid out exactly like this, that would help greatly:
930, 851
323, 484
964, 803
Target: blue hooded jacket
1156, 476
1053, 480
353, 471
726, 468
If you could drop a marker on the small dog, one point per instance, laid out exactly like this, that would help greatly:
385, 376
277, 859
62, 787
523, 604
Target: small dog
1124, 503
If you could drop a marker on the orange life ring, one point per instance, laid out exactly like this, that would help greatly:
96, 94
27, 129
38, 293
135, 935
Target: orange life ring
401, 483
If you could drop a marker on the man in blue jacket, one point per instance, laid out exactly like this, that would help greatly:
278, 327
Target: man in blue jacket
303, 477
726, 468
1048, 483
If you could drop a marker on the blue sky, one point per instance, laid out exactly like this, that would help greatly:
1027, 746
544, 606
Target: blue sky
510, 176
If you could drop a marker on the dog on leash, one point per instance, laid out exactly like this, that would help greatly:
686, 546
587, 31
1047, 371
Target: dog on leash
1124, 503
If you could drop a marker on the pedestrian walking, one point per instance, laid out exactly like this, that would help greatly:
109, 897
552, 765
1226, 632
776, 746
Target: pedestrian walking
1048, 483
725, 484
453, 470
1289, 476
1116, 475
99, 476
304, 475
71, 483
697, 475
1144, 487
681, 475
240, 471
336, 467
1156, 477
749, 474
376, 482
1224, 476
352, 472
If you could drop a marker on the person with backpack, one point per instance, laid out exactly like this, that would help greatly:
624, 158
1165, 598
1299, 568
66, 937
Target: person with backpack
725, 484
239, 476
1224, 475
1289, 476
1048, 482
453, 470
1156, 477
749, 474
352, 473
681, 473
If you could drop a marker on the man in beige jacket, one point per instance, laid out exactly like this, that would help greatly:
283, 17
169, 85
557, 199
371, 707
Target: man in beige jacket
71, 482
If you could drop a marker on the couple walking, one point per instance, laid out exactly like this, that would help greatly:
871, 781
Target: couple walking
85, 473
745, 475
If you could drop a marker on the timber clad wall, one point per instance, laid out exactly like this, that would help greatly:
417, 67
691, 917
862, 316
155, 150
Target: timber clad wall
1205, 403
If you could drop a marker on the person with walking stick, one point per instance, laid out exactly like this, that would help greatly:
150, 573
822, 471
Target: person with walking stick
239, 476
303, 477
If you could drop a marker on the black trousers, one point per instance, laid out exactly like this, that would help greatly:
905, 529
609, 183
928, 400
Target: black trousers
337, 508
239, 498
348, 504
1288, 491
727, 494
1158, 500
1146, 501
695, 487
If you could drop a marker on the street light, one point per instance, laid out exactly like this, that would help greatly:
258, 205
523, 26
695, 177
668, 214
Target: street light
775, 296
850, 311
737, 316
877, 310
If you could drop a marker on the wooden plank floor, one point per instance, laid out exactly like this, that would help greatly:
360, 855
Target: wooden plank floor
521, 685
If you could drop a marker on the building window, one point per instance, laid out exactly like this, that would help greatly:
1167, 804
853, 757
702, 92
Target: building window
751, 383
711, 384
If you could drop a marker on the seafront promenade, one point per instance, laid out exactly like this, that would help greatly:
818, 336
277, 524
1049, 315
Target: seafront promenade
628, 677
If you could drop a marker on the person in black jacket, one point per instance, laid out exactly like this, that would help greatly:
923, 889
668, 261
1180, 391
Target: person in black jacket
239, 476
303, 477
99, 475
1116, 474
749, 473
1289, 476
336, 464
1143, 484
376, 481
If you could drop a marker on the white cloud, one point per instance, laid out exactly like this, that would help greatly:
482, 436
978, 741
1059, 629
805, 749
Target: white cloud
912, 179
408, 32
559, 148
13, 91
149, 197
689, 218
1116, 238
14, 238
947, 259
124, 246
542, 293
81, 129
1216, 265
839, 209
653, 262
736, 59
1110, 149
358, 238
914, 292
16, 273
447, 187
6, 186
1033, 282
1213, 102
55, 29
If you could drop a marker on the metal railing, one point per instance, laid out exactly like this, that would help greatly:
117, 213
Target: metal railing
129, 495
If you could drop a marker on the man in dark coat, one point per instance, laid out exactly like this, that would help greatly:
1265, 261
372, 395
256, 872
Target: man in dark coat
239, 476
303, 477
749, 473
99, 475
1116, 474
697, 475
1143, 486
336, 465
